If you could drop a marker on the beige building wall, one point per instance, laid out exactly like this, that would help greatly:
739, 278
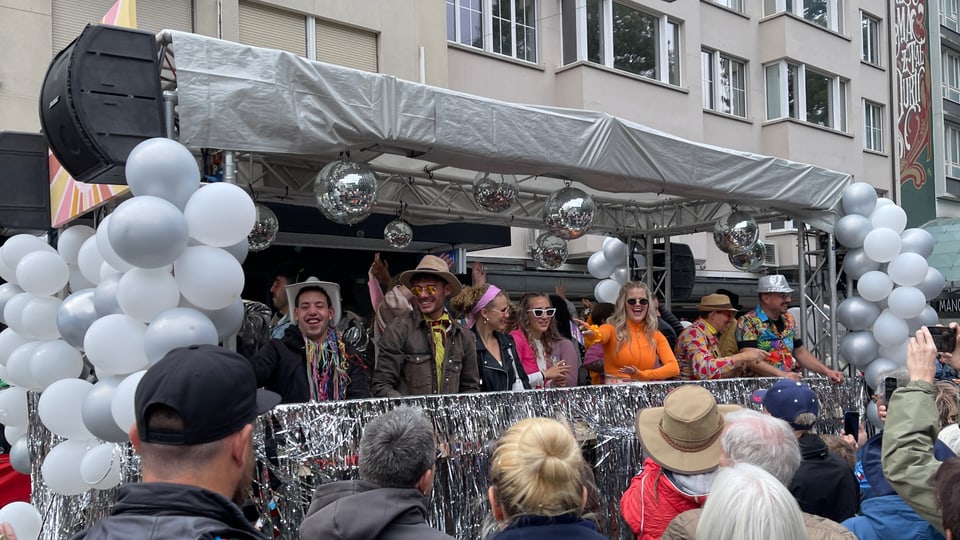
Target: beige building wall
25, 45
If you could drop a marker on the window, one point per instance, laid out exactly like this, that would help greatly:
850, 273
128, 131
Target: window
736, 5
622, 37
951, 75
869, 39
950, 14
796, 91
69, 17
872, 126
507, 27
826, 13
951, 134
724, 83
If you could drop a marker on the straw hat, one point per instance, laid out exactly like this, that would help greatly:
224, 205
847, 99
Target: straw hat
716, 302
684, 435
332, 290
431, 264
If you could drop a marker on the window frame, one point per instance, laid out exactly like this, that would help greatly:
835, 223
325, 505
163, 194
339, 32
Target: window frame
733, 5
487, 21
873, 126
795, 76
951, 163
834, 11
951, 88
871, 40
950, 14
714, 86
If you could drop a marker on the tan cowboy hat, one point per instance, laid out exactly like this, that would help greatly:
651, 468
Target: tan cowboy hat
431, 264
684, 435
716, 302
332, 290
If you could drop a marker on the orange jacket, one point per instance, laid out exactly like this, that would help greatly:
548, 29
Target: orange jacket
637, 352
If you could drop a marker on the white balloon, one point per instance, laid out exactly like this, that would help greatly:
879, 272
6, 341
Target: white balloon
240, 250
918, 241
906, 302
615, 250
78, 282
883, 201
889, 329
220, 214
882, 244
122, 407
889, 216
12, 433
61, 468
110, 256
896, 353
7, 291
106, 271
9, 341
607, 291
143, 293
114, 344
907, 269
70, 240
42, 273
148, 232
53, 361
6, 272
100, 466
24, 518
89, 260
227, 320
13, 312
20, 456
105, 296
59, 408
932, 283
874, 285
13, 406
927, 317
162, 168
16, 247
40, 317
177, 327
208, 277
599, 267
18, 366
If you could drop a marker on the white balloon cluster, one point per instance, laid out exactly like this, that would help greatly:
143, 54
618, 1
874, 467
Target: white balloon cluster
611, 267
162, 271
894, 281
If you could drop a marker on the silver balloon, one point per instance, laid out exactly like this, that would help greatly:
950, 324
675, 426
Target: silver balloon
875, 371
398, 233
148, 232
7, 291
96, 414
495, 192
736, 233
177, 327
917, 241
549, 251
932, 283
20, 455
859, 348
851, 229
857, 313
873, 415
568, 213
105, 296
859, 198
345, 192
76, 314
750, 260
264, 230
856, 263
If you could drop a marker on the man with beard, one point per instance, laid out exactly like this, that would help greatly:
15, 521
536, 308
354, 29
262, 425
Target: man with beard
286, 274
195, 410
772, 329
426, 351
311, 362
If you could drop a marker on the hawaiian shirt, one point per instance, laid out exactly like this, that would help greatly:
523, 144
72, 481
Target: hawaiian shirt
698, 352
755, 326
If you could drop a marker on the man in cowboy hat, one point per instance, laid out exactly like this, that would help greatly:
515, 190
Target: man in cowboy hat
682, 442
771, 328
311, 362
426, 351
698, 347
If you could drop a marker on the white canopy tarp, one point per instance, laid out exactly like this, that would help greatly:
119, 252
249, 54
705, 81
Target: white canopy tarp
237, 97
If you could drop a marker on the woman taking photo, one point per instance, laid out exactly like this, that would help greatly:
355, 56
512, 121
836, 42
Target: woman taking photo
547, 358
537, 484
486, 309
633, 348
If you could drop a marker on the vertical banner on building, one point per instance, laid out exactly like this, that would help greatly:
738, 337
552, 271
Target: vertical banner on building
914, 105
68, 197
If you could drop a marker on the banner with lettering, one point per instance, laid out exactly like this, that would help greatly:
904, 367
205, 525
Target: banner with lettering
914, 108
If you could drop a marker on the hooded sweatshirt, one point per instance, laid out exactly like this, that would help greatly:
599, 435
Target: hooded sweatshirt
359, 510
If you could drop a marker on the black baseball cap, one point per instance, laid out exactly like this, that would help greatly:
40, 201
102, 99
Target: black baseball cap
214, 391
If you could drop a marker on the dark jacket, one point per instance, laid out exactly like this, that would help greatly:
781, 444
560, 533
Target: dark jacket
406, 363
565, 527
495, 377
824, 484
281, 366
358, 510
161, 511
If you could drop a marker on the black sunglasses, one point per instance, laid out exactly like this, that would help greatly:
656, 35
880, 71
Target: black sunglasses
635, 301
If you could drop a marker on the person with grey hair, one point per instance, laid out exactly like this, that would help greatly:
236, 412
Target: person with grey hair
748, 503
768, 443
397, 458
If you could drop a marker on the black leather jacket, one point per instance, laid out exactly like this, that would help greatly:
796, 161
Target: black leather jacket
493, 376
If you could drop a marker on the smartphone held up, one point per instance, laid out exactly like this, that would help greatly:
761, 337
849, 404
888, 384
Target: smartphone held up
944, 337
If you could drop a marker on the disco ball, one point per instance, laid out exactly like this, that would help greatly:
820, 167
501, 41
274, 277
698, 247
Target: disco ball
398, 233
568, 213
345, 192
736, 233
264, 230
750, 260
495, 192
549, 251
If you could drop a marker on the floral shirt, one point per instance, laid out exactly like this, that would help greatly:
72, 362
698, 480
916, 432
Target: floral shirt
698, 353
755, 329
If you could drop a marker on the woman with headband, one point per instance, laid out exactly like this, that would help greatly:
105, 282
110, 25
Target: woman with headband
486, 308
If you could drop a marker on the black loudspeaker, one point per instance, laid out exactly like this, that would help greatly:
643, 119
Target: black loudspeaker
100, 98
24, 182
682, 268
